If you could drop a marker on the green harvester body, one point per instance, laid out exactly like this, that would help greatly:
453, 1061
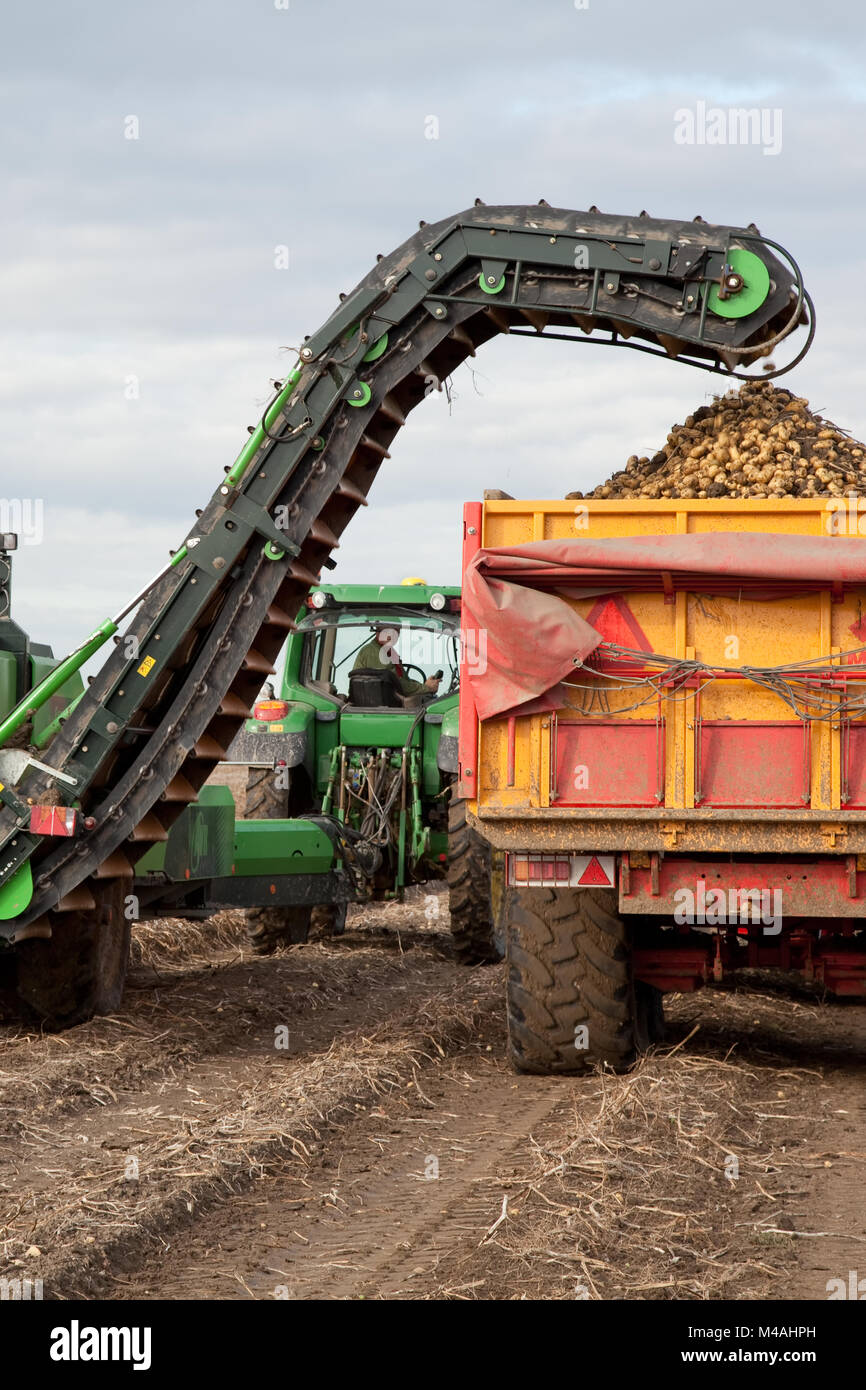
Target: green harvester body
320, 741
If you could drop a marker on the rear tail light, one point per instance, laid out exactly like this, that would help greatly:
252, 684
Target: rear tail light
268, 710
530, 870
561, 870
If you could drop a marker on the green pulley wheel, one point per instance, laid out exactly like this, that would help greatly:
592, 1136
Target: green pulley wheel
272, 552
376, 350
756, 287
491, 289
360, 394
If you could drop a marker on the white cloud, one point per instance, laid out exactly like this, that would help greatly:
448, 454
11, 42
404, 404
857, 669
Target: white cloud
154, 258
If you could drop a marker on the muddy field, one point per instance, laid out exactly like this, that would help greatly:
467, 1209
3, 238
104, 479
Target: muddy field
340, 1122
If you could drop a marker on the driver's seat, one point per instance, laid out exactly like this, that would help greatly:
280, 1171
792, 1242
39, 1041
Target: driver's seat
374, 689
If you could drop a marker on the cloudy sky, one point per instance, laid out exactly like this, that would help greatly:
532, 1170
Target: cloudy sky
142, 313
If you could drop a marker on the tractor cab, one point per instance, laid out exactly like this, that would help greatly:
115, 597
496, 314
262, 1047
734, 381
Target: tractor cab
380, 655
355, 676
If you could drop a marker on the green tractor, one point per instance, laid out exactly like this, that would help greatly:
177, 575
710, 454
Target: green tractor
24, 665
362, 729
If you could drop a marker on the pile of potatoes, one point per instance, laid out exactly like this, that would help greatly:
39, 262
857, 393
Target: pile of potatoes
758, 441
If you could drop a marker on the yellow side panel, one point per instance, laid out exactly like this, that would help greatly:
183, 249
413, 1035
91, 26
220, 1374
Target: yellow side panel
518, 760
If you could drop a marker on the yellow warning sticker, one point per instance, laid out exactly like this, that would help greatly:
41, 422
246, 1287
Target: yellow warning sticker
276, 728
147, 665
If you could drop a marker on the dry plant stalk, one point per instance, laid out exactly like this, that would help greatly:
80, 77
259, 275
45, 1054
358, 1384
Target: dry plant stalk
630, 1196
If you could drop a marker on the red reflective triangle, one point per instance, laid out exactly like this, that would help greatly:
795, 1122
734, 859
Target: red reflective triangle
858, 629
615, 622
594, 875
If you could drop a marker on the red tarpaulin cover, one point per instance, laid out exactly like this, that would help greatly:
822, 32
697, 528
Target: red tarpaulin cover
532, 637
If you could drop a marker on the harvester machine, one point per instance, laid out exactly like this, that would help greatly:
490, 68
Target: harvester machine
189, 653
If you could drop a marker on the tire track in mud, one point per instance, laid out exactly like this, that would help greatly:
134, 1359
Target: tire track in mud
406, 1188
406, 1201
94, 1178
370, 1159
832, 1220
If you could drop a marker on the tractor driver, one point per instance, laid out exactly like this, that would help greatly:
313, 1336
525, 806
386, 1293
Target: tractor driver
379, 652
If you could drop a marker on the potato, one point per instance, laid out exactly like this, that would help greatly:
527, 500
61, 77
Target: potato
757, 441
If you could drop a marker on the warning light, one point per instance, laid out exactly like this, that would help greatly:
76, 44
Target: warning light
539, 870
267, 710
527, 870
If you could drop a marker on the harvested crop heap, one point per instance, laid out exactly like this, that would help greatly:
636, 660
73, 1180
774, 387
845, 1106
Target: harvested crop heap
755, 442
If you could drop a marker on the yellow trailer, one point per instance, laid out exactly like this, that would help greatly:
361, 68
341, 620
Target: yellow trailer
663, 725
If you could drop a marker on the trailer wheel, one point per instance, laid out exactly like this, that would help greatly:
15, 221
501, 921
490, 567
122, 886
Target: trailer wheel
81, 970
270, 927
469, 890
572, 1001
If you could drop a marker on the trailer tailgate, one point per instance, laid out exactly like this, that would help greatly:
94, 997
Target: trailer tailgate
673, 674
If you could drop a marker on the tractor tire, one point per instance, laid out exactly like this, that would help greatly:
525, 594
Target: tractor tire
271, 927
469, 891
328, 920
569, 968
81, 970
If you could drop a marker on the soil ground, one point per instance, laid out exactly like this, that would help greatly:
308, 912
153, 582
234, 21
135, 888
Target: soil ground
340, 1121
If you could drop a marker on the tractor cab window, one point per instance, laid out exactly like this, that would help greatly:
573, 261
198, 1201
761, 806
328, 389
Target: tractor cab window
336, 642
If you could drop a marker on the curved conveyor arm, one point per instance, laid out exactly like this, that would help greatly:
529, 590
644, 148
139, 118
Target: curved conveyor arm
181, 679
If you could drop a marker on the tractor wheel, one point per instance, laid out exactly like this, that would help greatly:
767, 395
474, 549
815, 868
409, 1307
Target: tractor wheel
572, 1000
328, 919
80, 971
469, 891
270, 927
